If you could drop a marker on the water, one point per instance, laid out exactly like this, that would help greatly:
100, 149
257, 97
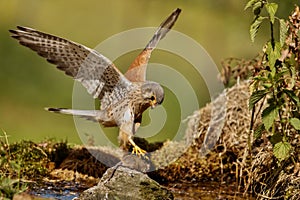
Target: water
51, 194
206, 191
182, 191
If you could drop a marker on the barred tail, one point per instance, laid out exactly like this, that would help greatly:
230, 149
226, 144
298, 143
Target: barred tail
93, 115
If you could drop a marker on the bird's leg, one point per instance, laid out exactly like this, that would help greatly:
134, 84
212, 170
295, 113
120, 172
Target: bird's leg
136, 126
136, 149
123, 140
126, 133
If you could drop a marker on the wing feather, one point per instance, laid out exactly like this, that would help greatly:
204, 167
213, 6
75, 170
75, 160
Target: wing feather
96, 72
137, 70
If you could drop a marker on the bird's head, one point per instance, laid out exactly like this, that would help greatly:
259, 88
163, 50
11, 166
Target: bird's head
153, 93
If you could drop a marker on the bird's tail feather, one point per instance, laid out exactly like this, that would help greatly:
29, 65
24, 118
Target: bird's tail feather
93, 115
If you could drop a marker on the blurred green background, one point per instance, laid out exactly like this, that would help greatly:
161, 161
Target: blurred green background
28, 83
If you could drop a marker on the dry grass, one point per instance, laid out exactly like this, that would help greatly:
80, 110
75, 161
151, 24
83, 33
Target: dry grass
228, 158
237, 157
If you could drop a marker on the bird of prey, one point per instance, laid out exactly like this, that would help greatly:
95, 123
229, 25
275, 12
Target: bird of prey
123, 97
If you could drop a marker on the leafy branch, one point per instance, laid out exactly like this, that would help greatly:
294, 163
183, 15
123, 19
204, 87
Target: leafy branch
277, 81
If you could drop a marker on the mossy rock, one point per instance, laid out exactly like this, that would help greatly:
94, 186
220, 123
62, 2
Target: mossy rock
125, 183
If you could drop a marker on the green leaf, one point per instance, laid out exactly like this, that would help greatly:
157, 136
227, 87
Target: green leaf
256, 97
258, 131
273, 54
273, 71
271, 9
283, 31
291, 94
260, 78
250, 4
295, 123
8, 181
254, 27
282, 150
257, 8
269, 115
280, 75
267, 85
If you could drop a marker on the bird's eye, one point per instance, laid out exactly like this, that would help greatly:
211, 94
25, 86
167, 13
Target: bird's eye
152, 98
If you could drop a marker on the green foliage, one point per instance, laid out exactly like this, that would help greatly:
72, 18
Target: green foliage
295, 122
271, 9
273, 52
26, 160
256, 97
291, 94
282, 150
10, 172
269, 115
255, 26
9, 187
258, 131
277, 80
250, 4
283, 31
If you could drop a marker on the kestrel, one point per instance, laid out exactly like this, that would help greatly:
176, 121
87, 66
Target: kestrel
123, 98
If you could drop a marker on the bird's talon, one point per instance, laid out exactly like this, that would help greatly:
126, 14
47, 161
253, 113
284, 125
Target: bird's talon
138, 151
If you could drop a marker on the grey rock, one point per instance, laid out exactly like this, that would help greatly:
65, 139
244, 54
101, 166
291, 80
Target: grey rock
124, 183
135, 162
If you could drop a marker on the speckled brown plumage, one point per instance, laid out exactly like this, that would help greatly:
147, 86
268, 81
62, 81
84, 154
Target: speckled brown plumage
123, 97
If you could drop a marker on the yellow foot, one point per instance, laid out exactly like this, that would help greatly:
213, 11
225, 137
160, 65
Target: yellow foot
138, 151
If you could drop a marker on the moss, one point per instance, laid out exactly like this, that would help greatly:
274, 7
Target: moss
26, 161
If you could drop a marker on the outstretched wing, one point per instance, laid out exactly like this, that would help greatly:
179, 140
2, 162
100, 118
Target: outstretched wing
137, 70
96, 72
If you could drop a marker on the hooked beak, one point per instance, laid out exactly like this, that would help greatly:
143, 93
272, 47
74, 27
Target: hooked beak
153, 104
